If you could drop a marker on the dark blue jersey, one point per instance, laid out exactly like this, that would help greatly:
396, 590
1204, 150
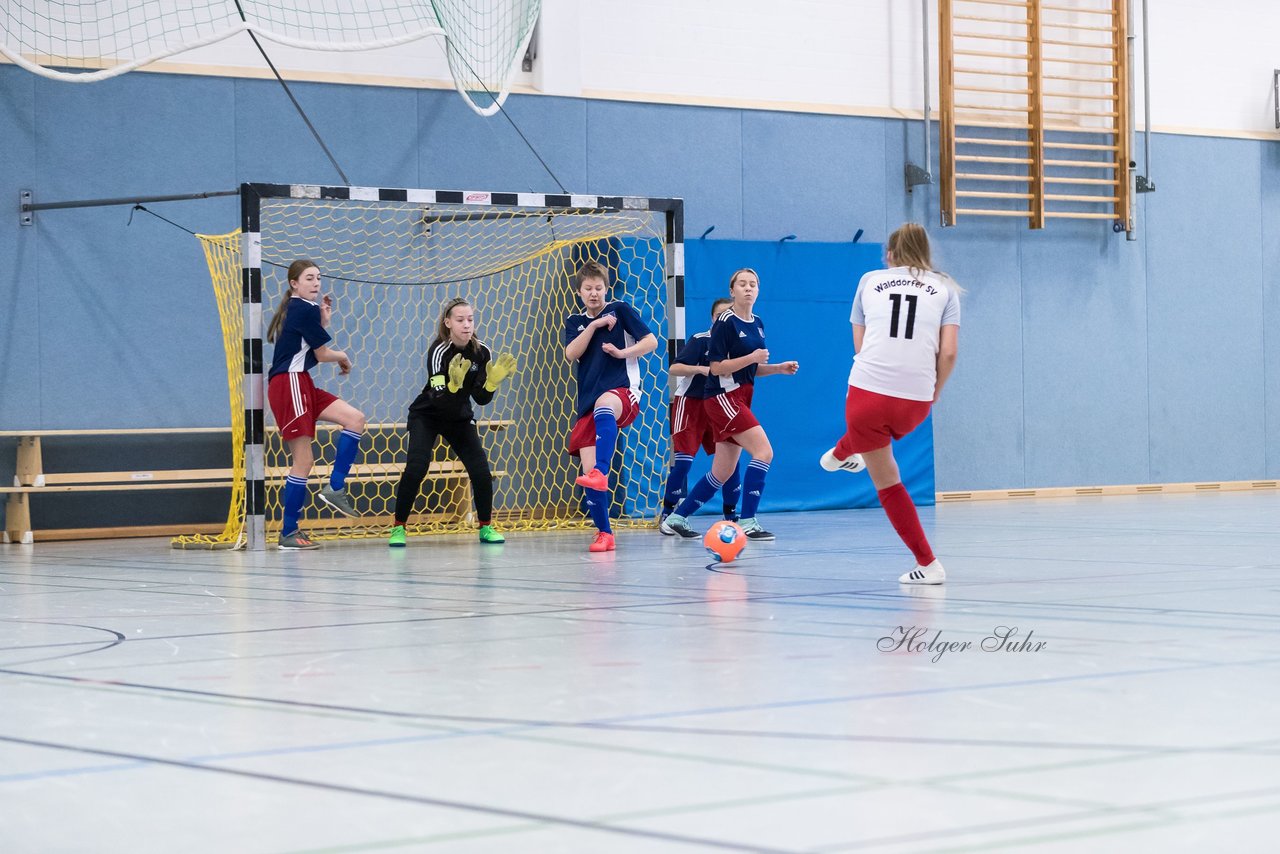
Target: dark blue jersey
731, 338
597, 371
299, 338
694, 352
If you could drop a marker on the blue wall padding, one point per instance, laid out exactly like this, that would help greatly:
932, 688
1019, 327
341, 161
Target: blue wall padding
806, 290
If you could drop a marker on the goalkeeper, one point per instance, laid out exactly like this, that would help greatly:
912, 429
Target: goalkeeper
459, 371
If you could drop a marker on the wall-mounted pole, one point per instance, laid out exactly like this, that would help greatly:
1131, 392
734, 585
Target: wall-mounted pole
916, 174
27, 205
1143, 182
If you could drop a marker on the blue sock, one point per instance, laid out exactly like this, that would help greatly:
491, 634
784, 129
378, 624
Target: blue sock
729, 492
699, 495
295, 495
606, 437
348, 445
677, 480
598, 507
753, 488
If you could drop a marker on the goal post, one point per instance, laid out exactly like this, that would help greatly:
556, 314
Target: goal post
391, 258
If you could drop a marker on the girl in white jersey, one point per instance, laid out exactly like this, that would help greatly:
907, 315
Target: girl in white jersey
906, 331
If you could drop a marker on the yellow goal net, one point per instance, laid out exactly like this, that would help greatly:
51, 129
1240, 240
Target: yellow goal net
390, 260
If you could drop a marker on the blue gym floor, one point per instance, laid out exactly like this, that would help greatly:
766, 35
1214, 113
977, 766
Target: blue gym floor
532, 697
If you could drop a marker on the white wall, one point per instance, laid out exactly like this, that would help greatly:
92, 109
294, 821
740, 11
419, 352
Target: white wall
1211, 66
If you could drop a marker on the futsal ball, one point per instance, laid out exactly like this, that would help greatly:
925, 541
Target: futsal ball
724, 541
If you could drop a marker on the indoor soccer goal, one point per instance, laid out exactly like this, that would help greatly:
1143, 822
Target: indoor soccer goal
391, 259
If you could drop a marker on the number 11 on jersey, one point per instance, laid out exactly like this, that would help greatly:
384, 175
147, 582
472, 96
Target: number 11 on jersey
897, 299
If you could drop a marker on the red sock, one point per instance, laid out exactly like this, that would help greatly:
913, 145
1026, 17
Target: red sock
902, 514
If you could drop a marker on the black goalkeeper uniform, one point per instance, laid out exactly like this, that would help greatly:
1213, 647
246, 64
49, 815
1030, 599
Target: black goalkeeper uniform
436, 411
435, 401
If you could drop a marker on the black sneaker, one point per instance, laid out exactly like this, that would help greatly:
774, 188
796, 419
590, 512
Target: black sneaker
752, 529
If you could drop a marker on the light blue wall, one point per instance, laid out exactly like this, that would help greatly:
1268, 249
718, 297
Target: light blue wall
1085, 358
19, 275
1269, 237
1205, 288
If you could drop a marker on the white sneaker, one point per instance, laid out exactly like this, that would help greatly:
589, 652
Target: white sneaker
931, 574
831, 462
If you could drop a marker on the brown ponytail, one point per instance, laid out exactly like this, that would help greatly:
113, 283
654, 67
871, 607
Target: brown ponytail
909, 245
296, 269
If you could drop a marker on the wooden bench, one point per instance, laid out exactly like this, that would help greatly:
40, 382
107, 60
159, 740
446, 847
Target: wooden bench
30, 478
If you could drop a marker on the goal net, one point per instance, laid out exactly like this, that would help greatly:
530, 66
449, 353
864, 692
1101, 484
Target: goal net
84, 42
391, 259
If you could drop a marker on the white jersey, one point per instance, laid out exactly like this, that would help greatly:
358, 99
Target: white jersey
902, 313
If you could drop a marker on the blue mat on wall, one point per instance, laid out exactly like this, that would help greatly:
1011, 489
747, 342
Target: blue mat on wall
806, 290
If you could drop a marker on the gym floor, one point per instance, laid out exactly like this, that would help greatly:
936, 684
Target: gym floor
533, 697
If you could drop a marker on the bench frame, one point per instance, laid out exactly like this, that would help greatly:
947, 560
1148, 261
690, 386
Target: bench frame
30, 478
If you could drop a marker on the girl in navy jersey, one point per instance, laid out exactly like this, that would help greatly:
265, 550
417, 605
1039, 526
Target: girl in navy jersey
737, 356
906, 332
606, 340
689, 428
459, 371
301, 342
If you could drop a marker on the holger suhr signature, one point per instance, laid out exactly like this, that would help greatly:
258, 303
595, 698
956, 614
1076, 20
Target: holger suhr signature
916, 639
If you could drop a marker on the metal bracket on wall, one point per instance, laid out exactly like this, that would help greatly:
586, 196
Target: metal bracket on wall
25, 216
1142, 185
531, 50
915, 175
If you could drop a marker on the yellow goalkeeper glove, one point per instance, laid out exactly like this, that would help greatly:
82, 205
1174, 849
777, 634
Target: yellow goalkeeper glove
458, 368
499, 369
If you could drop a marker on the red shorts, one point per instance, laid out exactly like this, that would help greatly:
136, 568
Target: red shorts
689, 429
873, 419
584, 431
297, 403
729, 414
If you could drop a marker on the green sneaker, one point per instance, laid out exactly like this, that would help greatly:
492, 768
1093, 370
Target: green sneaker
489, 535
397, 537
